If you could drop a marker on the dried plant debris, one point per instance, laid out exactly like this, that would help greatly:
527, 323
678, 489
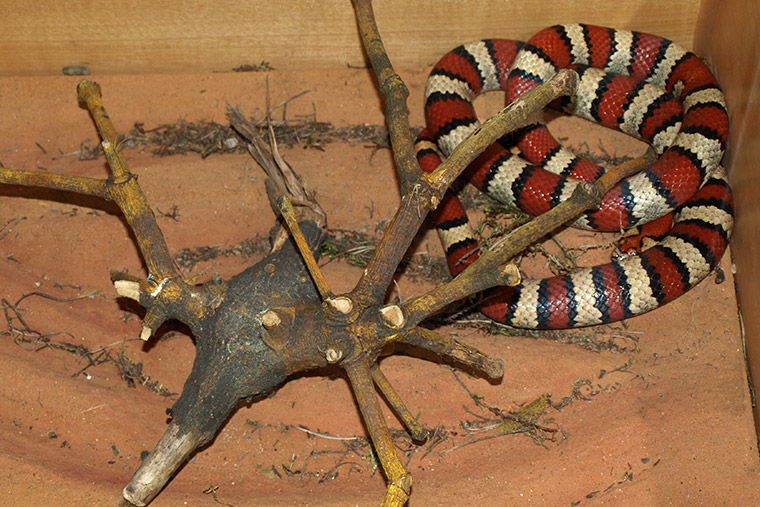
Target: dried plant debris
339, 455
356, 248
352, 246
209, 137
212, 490
30, 339
9, 224
498, 221
264, 66
599, 156
187, 258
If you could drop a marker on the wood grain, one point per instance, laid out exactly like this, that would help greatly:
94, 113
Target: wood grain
728, 35
142, 36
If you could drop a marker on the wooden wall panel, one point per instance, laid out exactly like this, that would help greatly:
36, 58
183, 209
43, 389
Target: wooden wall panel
728, 34
144, 36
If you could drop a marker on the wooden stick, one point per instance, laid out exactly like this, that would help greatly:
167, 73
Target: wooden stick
415, 429
78, 184
88, 93
446, 346
395, 92
492, 268
399, 480
286, 208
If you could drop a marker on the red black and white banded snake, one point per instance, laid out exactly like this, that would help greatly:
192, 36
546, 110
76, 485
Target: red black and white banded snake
643, 85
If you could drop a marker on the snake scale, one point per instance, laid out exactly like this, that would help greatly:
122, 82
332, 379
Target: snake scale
638, 83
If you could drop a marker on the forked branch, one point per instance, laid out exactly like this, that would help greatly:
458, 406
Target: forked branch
124, 190
422, 195
164, 293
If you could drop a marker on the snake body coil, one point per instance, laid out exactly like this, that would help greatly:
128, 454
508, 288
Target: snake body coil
641, 84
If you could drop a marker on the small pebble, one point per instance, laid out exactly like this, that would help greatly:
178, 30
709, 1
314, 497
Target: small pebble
76, 70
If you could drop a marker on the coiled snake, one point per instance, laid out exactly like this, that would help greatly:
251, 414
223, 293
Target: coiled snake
641, 84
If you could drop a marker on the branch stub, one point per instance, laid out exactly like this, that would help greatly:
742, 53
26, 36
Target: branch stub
510, 273
128, 289
333, 355
270, 319
393, 316
342, 303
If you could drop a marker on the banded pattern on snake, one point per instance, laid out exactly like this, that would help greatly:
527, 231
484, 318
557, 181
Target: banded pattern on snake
641, 84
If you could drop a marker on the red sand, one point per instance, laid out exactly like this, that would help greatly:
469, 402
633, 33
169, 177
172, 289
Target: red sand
674, 427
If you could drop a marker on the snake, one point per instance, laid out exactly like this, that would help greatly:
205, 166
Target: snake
640, 84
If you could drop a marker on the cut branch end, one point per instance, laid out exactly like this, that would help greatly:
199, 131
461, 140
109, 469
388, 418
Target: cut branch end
341, 303
128, 289
393, 316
